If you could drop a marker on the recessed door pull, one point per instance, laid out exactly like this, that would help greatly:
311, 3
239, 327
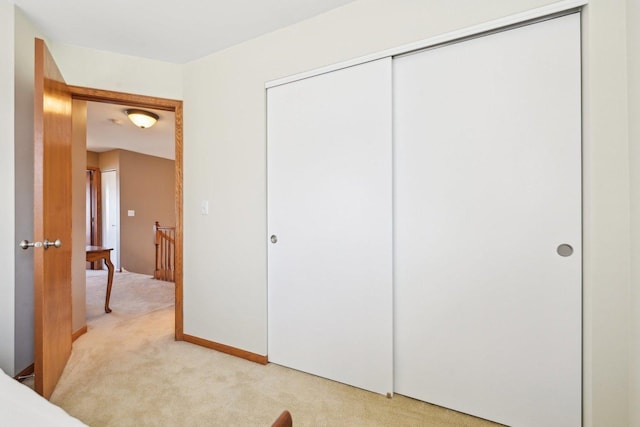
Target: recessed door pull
565, 250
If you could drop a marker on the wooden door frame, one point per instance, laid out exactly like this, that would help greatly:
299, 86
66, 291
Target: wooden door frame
142, 101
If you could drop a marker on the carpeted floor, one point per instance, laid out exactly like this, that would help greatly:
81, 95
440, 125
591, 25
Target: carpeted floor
127, 370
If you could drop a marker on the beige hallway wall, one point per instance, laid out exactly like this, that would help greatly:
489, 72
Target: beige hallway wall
92, 159
147, 187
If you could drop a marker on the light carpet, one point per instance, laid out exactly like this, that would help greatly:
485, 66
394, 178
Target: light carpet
127, 370
132, 295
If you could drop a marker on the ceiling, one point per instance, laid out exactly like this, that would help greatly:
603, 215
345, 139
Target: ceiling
176, 31
108, 128
167, 30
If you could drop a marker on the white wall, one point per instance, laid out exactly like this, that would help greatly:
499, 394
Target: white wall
105, 70
25, 33
225, 157
80, 66
122, 73
7, 216
225, 152
633, 77
606, 215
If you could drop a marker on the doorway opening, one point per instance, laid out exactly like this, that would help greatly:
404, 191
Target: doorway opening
168, 105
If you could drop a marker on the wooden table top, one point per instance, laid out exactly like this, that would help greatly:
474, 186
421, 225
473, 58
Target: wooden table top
97, 249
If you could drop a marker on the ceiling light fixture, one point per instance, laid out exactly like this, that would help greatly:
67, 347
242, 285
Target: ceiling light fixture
141, 118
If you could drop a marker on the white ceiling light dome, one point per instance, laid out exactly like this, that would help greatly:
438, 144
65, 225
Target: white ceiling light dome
142, 118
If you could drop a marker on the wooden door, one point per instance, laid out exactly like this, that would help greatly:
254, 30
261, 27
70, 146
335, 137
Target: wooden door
52, 221
487, 137
329, 211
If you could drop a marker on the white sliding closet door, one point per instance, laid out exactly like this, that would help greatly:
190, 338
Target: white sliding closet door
329, 207
487, 136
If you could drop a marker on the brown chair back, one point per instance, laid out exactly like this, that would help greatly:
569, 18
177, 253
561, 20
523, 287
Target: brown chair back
284, 420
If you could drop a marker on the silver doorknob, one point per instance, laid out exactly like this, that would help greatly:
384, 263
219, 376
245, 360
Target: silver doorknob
274, 238
25, 244
47, 244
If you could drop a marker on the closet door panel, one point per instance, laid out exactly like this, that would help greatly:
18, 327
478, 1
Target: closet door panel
330, 206
487, 136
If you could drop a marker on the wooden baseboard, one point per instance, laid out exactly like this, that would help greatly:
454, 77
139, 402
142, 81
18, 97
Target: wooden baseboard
77, 334
243, 354
26, 371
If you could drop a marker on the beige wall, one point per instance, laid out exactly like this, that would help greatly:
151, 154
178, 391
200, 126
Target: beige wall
147, 186
93, 159
633, 76
109, 160
78, 213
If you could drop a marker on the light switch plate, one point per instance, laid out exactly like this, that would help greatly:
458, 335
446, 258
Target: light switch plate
204, 207
131, 213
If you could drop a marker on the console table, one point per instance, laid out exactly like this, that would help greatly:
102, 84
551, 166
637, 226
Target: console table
96, 253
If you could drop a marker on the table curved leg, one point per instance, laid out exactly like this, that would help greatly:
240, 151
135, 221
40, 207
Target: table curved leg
109, 283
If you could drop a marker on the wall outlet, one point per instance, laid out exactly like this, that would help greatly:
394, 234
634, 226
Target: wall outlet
131, 213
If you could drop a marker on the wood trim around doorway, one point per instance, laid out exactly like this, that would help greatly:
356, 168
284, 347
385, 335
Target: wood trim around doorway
142, 101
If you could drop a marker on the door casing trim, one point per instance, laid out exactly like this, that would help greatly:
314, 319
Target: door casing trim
143, 101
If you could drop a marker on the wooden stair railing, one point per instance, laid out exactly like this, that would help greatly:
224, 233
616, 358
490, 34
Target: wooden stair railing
165, 253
